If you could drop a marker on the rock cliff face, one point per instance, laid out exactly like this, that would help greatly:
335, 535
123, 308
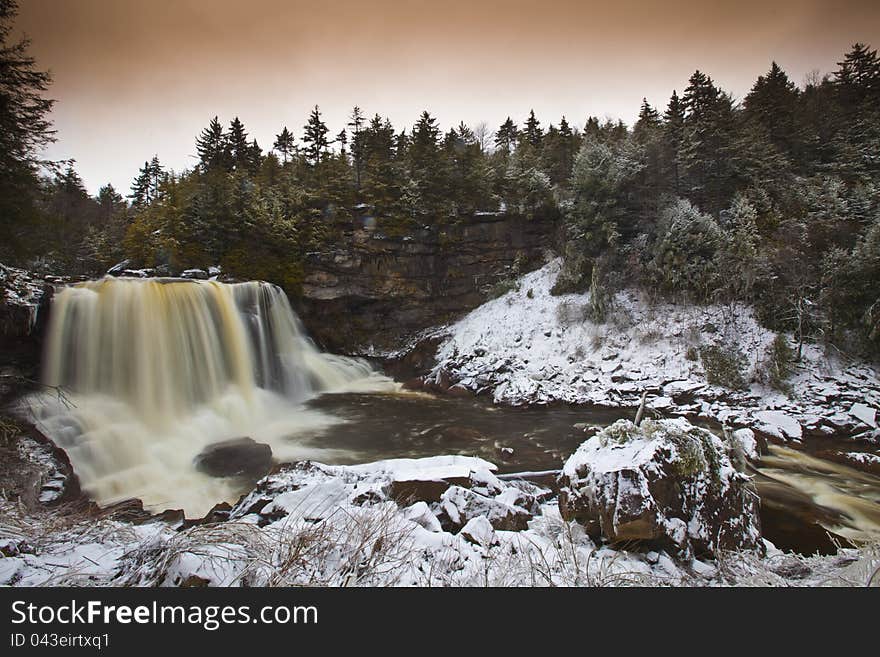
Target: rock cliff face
374, 292
24, 298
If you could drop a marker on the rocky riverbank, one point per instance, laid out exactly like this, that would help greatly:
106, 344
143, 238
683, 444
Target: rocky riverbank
530, 347
440, 521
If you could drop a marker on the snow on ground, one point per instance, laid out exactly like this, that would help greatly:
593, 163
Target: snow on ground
313, 524
528, 347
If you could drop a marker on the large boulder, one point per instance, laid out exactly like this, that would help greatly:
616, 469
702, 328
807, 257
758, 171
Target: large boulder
238, 457
665, 483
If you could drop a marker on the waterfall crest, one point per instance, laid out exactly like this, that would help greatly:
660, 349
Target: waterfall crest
157, 369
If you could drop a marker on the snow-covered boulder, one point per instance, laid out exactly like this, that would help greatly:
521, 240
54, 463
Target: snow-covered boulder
666, 483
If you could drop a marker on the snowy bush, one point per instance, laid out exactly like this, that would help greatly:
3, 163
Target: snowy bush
724, 366
684, 257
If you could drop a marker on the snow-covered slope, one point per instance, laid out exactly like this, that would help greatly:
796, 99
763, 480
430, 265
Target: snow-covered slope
531, 347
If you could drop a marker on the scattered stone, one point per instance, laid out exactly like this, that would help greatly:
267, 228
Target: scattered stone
420, 513
864, 413
458, 505
778, 424
479, 531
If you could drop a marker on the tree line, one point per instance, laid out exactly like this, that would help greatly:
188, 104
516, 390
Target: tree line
771, 200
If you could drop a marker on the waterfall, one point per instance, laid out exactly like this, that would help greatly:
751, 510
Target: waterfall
155, 370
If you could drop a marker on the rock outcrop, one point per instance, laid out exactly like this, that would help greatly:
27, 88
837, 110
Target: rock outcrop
236, 457
665, 483
24, 298
375, 292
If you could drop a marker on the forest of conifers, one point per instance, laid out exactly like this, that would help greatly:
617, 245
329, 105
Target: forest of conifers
770, 200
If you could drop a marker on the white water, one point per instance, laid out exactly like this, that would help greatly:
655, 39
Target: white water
852, 493
156, 370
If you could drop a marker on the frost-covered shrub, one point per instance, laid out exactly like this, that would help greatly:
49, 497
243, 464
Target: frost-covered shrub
724, 366
779, 363
571, 313
850, 291
737, 259
575, 274
501, 288
684, 258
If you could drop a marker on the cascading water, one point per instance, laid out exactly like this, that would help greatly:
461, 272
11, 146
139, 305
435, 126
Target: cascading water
154, 371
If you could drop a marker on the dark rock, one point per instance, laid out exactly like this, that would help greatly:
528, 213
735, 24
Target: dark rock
459, 390
406, 492
170, 516
194, 581
382, 292
235, 457
218, 513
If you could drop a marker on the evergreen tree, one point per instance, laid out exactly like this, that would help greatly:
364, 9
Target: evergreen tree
284, 144
673, 136
141, 188
425, 170
707, 148
381, 179
156, 177
506, 137
356, 123
647, 124
111, 202
532, 133
238, 148
315, 138
25, 128
560, 146
771, 105
858, 76
211, 146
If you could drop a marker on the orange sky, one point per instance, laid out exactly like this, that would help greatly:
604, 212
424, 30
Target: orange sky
135, 78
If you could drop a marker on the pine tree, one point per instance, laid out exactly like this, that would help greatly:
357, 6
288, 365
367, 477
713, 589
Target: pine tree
141, 188
425, 169
532, 132
25, 128
24, 112
560, 146
211, 146
111, 202
673, 138
157, 177
315, 136
380, 181
284, 144
255, 157
771, 105
647, 123
342, 140
356, 123
707, 148
858, 76
238, 147
506, 137
592, 129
